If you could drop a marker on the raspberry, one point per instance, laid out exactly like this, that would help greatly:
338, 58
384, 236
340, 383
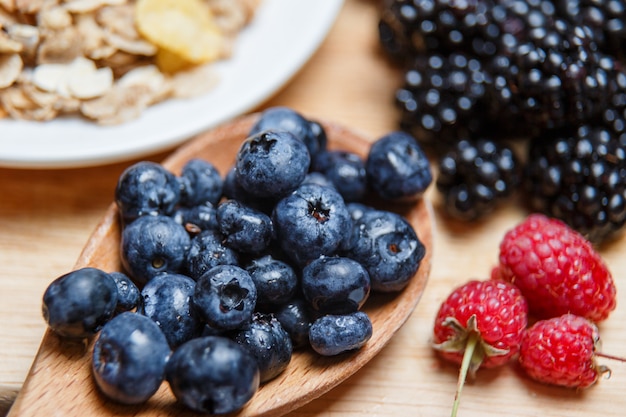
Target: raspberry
480, 324
561, 351
556, 269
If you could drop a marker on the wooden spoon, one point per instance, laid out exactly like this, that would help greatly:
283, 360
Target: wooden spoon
60, 381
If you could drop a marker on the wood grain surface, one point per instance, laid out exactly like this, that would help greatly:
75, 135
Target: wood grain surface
47, 216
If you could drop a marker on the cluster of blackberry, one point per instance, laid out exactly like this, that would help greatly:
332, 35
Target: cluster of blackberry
480, 75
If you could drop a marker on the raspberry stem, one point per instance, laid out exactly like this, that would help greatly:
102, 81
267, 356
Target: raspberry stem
468, 358
607, 356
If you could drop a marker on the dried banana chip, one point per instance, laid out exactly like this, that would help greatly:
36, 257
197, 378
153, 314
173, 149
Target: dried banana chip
183, 27
169, 62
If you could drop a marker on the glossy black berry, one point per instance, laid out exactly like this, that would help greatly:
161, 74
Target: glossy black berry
444, 97
475, 176
408, 28
580, 177
607, 18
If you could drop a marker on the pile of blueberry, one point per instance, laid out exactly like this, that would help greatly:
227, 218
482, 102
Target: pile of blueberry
484, 79
225, 276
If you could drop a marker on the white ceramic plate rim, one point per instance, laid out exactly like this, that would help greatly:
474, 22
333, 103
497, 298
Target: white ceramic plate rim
282, 37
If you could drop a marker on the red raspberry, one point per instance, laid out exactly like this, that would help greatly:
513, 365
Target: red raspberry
493, 312
557, 270
480, 324
561, 351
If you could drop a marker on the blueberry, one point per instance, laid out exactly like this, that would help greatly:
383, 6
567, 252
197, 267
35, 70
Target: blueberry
197, 218
276, 281
296, 318
200, 182
334, 334
207, 251
129, 357
268, 342
213, 375
245, 229
335, 285
388, 247
320, 135
146, 188
397, 168
271, 164
356, 210
128, 296
317, 178
167, 301
153, 245
225, 297
310, 222
286, 119
79, 303
234, 191
345, 170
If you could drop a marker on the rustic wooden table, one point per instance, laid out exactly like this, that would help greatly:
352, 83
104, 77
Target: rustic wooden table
47, 215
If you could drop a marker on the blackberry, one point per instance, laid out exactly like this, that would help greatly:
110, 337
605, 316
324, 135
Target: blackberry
483, 28
614, 115
580, 177
554, 79
408, 28
517, 19
607, 18
475, 176
443, 98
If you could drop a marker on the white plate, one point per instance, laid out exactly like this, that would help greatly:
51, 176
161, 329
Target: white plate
282, 37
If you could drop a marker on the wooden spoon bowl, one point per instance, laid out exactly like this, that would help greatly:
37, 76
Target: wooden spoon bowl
60, 381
